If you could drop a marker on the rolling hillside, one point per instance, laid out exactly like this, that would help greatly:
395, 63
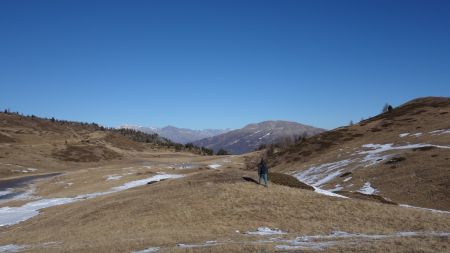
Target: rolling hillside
402, 155
33, 145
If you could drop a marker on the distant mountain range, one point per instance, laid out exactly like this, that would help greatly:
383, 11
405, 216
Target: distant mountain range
252, 136
179, 135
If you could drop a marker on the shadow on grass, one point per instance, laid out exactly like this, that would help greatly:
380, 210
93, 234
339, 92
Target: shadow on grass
251, 180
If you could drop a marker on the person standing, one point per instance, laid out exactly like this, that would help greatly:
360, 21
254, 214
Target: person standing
263, 172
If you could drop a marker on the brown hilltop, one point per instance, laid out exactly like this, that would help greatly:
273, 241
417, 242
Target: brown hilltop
414, 175
55, 145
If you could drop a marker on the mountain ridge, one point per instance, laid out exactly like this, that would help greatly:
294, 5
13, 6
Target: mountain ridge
253, 135
176, 134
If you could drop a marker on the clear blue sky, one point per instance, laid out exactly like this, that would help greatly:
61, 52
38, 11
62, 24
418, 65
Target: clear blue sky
220, 64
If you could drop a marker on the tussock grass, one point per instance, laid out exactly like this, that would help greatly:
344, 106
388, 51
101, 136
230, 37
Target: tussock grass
209, 206
417, 177
85, 153
288, 180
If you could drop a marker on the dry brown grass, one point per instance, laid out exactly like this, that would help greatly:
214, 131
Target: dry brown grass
368, 197
122, 142
288, 180
85, 153
5, 138
54, 147
208, 206
419, 177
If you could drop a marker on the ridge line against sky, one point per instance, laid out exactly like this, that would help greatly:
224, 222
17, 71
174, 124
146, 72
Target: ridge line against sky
220, 64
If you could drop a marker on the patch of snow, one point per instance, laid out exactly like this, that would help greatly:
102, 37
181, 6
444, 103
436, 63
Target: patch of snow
233, 142
206, 244
49, 244
379, 148
328, 178
319, 242
319, 175
306, 246
372, 159
337, 187
260, 138
266, 231
425, 209
26, 170
9, 164
184, 166
10, 194
141, 182
373, 154
255, 133
447, 131
12, 248
347, 179
147, 250
367, 189
328, 193
214, 166
340, 234
113, 177
440, 131
2, 193
406, 134
14, 215
432, 233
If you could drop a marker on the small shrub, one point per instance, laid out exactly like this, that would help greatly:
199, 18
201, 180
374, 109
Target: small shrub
222, 152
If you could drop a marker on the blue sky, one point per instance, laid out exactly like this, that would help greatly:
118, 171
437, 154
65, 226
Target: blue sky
220, 64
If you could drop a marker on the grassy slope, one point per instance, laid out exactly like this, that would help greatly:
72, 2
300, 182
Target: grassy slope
49, 146
210, 206
421, 179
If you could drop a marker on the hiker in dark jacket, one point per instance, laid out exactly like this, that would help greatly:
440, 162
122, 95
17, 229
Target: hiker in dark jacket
263, 172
